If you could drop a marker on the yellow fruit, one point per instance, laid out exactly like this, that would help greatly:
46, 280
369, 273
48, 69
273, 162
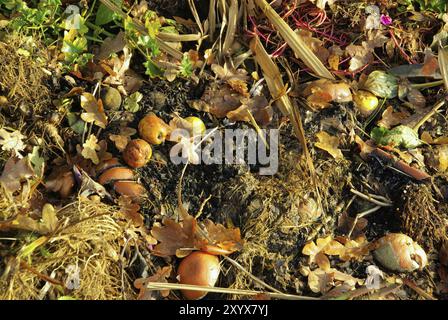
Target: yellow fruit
365, 101
153, 129
198, 127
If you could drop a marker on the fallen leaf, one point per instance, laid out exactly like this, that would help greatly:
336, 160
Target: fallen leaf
329, 144
227, 239
345, 224
390, 119
161, 276
95, 111
321, 92
47, 225
122, 139
131, 211
61, 180
12, 141
323, 245
89, 149
15, 171
258, 107
175, 238
442, 157
426, 137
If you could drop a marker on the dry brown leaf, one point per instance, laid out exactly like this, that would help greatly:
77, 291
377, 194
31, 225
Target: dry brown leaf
15, 171
321, 281
61, 180
218, 100
90, 147
131, 211
390, 118
161, 276
174, 237
316, 45
258, 107
355, 249
94, 110
345, 224
329, 144
426, 137
121, 140
321, 92
227, 239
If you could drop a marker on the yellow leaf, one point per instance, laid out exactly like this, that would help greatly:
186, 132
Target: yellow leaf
89, 149
329, 144
95, 111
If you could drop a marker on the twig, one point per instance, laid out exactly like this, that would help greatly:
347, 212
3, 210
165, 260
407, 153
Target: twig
176, 286
259, 281
361, 215
429, 115
414, 287
369, 198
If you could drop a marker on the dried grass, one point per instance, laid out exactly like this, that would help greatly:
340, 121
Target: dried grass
22, 78
91, 240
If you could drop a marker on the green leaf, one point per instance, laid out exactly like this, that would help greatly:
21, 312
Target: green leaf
104, 15
401, 136
152, 70
131, 102
186, 67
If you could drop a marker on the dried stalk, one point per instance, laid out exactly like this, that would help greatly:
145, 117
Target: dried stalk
231, 26
176, 286
297, 44
443, 64
278, 91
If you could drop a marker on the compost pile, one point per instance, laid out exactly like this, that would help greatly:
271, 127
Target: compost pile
107, 109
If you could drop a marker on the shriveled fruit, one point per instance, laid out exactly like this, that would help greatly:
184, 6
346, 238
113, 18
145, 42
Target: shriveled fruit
398, 252
137, 153
366, 102
153, 129
117, 173
198, 268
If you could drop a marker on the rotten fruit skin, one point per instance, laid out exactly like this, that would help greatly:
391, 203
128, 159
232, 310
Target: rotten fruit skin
398, 252
198, 268
137, 153
153, 129
366, 102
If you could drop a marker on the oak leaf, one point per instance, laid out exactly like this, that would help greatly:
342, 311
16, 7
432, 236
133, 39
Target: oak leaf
94, 110
329, 144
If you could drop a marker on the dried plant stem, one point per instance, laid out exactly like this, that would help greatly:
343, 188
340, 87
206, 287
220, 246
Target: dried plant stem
427, 116
361, 215
176, 286
231, 27
371, 199
254, 278
297, 44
